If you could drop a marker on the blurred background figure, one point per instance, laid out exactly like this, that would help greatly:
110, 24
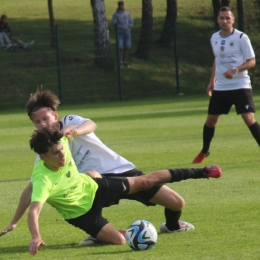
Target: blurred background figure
5, 29
123, 22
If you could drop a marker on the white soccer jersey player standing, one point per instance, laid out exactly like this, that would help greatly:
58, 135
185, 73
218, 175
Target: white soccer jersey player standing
229, 84
230, 52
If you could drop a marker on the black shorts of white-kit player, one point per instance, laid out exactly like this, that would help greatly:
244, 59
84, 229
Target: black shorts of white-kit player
222, 101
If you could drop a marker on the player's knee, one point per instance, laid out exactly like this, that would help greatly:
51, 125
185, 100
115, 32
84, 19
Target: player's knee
181, 203
212, 120
120, 241
178, 204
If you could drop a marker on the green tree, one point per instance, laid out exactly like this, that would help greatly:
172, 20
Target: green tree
52, 24
103, 53
216, 6
168, 30
143, 49
240, 15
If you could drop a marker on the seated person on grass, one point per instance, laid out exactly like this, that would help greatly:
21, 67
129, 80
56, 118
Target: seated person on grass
4, 27
78, 198
5, 42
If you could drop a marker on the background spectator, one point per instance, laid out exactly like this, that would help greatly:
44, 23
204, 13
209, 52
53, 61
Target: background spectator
5, 28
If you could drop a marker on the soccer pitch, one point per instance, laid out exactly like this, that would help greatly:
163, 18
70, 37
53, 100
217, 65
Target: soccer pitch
153, 134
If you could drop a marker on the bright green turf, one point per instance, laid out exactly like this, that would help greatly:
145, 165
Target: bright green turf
154, 134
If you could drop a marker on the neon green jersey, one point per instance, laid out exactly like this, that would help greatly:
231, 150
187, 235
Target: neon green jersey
70, 193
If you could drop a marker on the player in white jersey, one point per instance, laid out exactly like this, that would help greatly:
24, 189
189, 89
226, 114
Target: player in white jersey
90, 154
229, 84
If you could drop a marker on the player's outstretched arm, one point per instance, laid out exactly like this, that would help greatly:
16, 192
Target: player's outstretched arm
33, 224
24, 203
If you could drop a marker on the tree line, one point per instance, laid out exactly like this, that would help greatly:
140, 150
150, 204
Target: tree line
103, 52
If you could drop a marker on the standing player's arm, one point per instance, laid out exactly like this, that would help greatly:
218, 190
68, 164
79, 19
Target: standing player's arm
85, 128
212, 80
24, 203
248, 64
33, 223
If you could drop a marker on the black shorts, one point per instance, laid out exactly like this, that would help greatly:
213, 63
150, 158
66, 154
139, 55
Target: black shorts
222, 101
109, 192
142, 196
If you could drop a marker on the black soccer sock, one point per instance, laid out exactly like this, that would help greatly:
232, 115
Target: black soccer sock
184, 174
255, 130
172, 219
208, 133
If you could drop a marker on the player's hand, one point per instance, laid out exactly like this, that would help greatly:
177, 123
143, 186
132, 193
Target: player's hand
210, 89
70, 132
35, 244
7, 229
229, 74
94, 174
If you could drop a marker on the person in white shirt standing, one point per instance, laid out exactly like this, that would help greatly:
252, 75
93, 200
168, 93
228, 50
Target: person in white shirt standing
230, 83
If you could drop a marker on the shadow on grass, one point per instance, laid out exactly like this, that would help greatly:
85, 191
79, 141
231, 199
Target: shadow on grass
23, 249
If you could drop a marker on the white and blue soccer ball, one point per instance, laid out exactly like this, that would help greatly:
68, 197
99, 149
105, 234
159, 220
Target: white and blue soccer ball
141, 235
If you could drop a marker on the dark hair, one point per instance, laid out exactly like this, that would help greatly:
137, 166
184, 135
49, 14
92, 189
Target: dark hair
42, 140
3, 16
225, 9
42, 99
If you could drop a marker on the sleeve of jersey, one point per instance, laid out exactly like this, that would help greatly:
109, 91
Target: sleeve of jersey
246, 47
73, 120
40, 191
211, 43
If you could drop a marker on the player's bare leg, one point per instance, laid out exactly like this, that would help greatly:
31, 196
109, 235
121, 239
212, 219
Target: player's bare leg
110, 235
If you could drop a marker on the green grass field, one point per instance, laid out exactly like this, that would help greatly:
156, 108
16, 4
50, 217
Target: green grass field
154, 134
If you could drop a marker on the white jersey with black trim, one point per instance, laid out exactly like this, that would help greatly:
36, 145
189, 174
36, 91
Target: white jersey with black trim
90, 153
231, 51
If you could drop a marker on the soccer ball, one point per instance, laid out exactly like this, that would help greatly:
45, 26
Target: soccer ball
141, 235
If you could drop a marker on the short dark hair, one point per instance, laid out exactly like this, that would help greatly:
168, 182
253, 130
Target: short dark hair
225, 9
121, 3
42, 99
42, 140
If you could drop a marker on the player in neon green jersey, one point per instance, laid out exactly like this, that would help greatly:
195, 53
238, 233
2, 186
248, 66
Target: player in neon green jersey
78, 197
92, 156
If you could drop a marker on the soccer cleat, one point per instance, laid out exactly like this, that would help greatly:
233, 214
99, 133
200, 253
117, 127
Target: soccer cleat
14, 46
30, 44
122, 232
7, 47
184, 226
89, 241
212, 171
200, 157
